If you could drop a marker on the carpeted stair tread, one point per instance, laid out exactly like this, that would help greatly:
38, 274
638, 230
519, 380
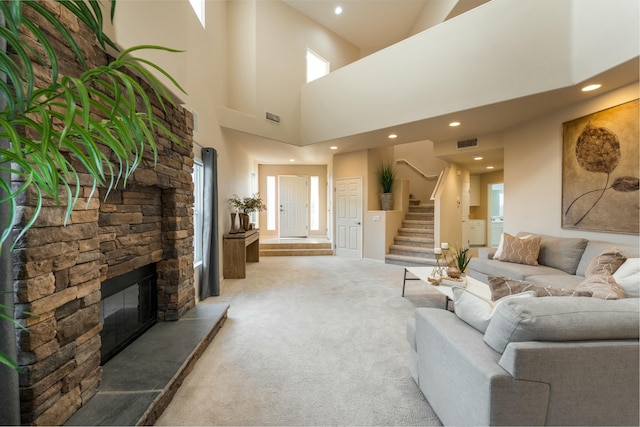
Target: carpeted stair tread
409, 261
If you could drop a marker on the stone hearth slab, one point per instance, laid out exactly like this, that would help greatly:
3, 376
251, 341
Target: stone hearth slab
139, 382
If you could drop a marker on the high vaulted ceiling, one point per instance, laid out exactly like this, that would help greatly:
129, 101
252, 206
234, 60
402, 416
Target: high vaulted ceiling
375, 24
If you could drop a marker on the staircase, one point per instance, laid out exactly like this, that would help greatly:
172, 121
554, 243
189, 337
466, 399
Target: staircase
295, 249
413, 246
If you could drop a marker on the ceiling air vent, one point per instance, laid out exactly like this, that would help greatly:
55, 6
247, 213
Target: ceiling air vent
468, 143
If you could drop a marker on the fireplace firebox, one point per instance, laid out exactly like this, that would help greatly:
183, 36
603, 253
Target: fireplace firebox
128, 308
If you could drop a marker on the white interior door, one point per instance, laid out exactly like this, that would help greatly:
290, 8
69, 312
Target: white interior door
294, 211
348, 203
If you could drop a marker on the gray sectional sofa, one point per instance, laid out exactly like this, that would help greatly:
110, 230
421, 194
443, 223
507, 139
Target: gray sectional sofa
558, 360
562, 261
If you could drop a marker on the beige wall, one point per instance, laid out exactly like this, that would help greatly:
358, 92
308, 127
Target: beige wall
201, 70
295, 170
533, 170
268, 41
420, 154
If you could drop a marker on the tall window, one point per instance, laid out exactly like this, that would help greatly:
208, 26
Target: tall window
314, 207
317, 66
271, 203
198, 207
198, 8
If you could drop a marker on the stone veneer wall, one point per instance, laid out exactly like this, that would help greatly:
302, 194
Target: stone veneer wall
58, 269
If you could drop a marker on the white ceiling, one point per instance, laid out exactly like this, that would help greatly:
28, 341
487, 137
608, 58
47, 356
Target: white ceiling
375, 24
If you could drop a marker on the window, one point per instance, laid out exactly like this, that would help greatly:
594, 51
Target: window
315, 203
317, 66
271, 203
198, 8
198, 207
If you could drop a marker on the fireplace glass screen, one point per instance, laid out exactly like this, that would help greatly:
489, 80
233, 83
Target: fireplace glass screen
127, 309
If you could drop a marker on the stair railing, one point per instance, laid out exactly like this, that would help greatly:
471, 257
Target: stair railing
436, 189
415, 168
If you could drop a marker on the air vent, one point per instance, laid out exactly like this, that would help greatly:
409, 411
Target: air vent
468, 143
273, 117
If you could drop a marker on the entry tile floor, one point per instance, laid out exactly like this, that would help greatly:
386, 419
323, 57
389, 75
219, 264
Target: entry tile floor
140, 381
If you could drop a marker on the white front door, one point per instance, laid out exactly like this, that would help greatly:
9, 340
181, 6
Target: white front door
293, 206
348, 204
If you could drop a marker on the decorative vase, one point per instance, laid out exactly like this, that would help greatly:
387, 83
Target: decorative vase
454, 272
386, 200
244, 222
233, 229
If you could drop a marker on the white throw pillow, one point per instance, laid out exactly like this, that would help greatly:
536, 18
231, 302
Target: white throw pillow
477, 311
628, 277
500, 245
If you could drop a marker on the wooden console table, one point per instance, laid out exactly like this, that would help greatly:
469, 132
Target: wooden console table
238, 249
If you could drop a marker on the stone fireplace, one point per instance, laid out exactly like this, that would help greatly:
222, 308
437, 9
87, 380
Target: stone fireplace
59, 269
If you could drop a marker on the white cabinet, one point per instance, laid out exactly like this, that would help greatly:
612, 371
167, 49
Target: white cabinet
477, 232
474, 190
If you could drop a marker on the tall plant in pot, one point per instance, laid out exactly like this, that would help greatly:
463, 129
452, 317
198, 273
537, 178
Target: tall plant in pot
386, 177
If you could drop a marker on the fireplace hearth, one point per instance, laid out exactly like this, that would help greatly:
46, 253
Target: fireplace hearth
128, 308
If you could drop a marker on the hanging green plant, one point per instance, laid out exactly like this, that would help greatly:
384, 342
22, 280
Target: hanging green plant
98, 124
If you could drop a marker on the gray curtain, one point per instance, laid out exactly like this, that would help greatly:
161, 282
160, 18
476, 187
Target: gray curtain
9, 397
210, 277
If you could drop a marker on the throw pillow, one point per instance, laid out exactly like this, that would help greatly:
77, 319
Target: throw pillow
628, 277
502, 286
602, 286
501, 245
520, 250
606, 262
477, 311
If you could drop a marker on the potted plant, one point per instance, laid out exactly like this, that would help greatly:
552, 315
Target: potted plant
460, 260
245, 206
386, 177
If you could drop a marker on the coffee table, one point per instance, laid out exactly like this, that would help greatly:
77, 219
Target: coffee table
472, 285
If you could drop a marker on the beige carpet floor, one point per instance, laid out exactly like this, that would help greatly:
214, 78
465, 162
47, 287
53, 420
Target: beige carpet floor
309, 341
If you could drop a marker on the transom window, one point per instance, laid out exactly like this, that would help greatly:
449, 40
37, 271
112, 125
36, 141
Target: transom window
317, 66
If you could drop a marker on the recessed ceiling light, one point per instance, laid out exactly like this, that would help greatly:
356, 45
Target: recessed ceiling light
292, 160
478, 158
489, 167
591, 87
454, 124
333, 147
393, 136
338, 10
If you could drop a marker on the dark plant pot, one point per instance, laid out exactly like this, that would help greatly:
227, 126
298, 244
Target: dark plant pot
244, 222
233, 229
386, 200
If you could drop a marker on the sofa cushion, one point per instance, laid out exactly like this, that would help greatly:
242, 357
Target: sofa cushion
520, 250
492, 267
563, 253
477, 311
607, 261
562, 319
602, 286
628, 277
502, 286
